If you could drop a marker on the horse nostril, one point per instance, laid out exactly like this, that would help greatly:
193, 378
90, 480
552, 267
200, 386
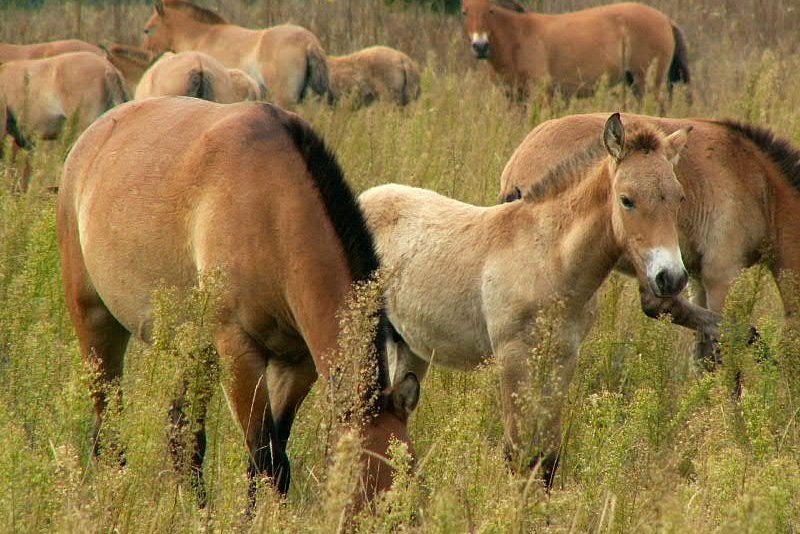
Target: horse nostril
662, 282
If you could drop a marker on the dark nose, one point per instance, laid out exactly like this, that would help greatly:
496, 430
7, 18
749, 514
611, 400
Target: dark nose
481, 49
670, 284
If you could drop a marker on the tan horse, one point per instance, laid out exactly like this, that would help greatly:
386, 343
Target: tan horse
161, 190
41, 94
130, 61
375, 73
573, 51
134, 62
286, 59
13, 52
467, 281
741, 206
192, 74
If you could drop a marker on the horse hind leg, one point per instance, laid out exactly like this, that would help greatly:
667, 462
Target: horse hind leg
103, 341
288, 383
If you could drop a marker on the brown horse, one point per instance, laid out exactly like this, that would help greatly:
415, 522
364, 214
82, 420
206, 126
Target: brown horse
13, 52
286, 59
375, 73
40, 94
161, 190
466, 281
573, 51
192, 74
742, 198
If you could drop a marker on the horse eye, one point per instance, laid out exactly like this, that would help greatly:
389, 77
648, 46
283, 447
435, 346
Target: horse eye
626, 202
147, 31
464, 12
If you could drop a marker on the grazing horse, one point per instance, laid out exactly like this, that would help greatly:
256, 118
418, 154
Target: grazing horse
134, 62
192, 74
286, 59
14, 52
573, 51
40, 94
742, 198
130, 61
466, 281
375, 73
161, 190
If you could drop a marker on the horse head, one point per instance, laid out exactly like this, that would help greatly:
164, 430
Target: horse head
645, 198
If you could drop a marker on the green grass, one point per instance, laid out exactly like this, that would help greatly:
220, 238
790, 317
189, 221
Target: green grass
653, 442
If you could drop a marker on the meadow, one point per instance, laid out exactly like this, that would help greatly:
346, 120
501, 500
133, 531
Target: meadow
653, 441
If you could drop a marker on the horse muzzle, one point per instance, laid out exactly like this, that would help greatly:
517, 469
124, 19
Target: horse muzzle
666, 273
480, 49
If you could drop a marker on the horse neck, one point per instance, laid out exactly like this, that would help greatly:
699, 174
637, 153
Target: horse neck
576, 225
190, 35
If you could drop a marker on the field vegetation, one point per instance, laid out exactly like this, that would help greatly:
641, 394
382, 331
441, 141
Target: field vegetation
654, 443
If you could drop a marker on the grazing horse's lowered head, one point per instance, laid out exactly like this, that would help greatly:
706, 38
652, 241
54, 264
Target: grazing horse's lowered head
159, 32
478, 23
646, 196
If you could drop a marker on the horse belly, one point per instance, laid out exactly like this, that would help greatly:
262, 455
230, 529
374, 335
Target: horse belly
444, 331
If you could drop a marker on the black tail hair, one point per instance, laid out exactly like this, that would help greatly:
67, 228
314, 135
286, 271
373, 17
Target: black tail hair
200, 85
679, 68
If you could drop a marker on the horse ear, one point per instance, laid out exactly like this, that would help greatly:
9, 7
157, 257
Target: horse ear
614, 136
159, 7
675, 143
405, 395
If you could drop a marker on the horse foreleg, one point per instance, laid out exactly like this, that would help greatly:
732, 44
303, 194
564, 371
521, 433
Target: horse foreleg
533, 390
685, 313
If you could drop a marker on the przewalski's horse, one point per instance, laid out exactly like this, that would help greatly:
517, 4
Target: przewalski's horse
134, 62
41, 94
159, 191
375, 73
286, 59
14, 52
192, 74
465, 281
573, 51
742, 199
130, 61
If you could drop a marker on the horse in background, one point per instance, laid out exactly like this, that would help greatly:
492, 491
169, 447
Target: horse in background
572, 52
192, 74
288, 60
374, 73
40, 95
14, 52
464, 282
742, 188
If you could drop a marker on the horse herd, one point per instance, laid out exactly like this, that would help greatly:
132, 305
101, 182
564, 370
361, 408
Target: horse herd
160, 190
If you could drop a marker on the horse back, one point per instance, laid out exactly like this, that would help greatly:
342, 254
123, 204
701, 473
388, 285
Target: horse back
227, 190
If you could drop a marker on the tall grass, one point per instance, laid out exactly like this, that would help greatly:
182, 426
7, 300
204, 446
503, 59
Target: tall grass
652, 442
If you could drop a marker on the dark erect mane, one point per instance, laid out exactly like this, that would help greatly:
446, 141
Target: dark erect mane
566, 173
639, 137
200, 14
780, 151
345, 216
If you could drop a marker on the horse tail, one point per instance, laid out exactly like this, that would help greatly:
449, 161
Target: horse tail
200, 84
13, 129
116, 93
410, 90
679, 68
317, 76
